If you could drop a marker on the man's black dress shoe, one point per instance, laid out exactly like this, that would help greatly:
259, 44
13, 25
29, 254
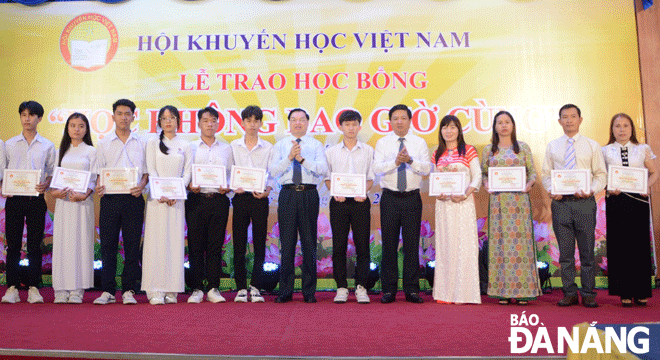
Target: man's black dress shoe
282, 299
414, 298
310, 299
387, 298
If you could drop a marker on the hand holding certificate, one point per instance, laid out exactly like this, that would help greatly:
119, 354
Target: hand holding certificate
348, 185
209, 176
447, 183
170, 188
628, 179
118, 180
569, 182
20, 182
76, 180
507, 179
248, 179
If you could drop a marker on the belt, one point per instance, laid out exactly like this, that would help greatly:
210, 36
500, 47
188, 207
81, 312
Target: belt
301, 187
401, 194
575, 198
211, 195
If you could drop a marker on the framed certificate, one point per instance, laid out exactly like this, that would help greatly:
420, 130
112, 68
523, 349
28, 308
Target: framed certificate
447, 183
248, 179
77, 180
20, 182
568, 182
171, 188
507, 179
118, 180
209, 176
628, 179
348, 185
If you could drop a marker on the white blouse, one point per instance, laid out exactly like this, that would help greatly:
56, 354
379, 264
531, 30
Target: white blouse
637, 154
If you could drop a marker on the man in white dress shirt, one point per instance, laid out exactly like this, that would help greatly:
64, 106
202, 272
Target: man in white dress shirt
121, 212
207, 211
27, 151
401, 160
574, 216
252, 152
350, 156
299, 165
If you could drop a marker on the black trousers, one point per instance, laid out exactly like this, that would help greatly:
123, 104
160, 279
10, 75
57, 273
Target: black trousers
248, 208
345, 216
123, 212
400, 212
206, 218
297, 213
31, 212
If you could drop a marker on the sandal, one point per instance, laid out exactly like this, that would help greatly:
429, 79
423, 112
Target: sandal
504, 301
640, 302
626, 302
522, 302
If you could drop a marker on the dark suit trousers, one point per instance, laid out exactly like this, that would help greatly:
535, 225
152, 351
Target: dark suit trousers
31, 212
297, 213
574, 220
123, 212
344, 216
400, 212
248, 208
206, 218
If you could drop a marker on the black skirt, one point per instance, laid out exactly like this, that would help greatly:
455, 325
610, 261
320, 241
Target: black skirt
629, 260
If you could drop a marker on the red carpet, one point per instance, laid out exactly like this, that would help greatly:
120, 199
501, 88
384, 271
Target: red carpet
293, 329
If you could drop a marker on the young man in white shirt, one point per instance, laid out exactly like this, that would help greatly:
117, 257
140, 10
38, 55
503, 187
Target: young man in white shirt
252, 152
27, 151
350, 156
574, 216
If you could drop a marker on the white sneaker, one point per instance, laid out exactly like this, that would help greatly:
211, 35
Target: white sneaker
61, 297
255, 296
170, 298
127, 298
214, 296
342, 295
241, 296
196, 297
105, 298
361, 295
76, 296
33, 295
157, 298
11, 296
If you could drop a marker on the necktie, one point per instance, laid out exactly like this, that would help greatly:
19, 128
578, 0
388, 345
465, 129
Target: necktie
297, 171
401, 172
569, 158
624, 156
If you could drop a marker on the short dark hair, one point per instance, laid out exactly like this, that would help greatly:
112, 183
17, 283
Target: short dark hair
123, 102
33, 107
350, 115
252, 110
568, 106
208, 109
297, 109
400, 107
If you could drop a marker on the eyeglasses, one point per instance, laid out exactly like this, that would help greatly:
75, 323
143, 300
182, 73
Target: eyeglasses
163, 119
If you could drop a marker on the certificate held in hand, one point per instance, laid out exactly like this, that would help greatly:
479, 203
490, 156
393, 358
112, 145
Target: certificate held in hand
348, 185
118, 180
628, 179
77, 180
171, 188
20, 182
568, 182
248, 179
209, 176
507, 179
447, 183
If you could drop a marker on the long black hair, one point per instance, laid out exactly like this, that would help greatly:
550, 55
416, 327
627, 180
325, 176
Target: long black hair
175, 112
495, 139
65, 144
442, 146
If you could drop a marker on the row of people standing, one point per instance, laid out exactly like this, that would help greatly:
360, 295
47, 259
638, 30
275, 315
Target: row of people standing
299, 163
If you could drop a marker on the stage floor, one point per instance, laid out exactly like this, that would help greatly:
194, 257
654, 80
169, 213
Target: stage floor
292, 330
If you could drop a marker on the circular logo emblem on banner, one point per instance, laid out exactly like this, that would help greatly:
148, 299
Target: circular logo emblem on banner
89, 42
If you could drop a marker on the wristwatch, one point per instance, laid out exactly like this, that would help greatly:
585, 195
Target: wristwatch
302, 161
410, 161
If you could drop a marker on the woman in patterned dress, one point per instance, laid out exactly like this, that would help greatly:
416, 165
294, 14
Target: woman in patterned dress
456, 277
628, 243
512, 271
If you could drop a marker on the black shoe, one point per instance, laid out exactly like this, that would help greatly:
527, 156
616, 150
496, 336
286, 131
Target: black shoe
310, 299
388, 298
414, 298
589, 302
568, 300
282, 299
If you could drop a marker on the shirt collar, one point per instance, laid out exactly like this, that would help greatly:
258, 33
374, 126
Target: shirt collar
627, 145
113, 136
259, 143
575, 137
202, 143
357, 145
37, 137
